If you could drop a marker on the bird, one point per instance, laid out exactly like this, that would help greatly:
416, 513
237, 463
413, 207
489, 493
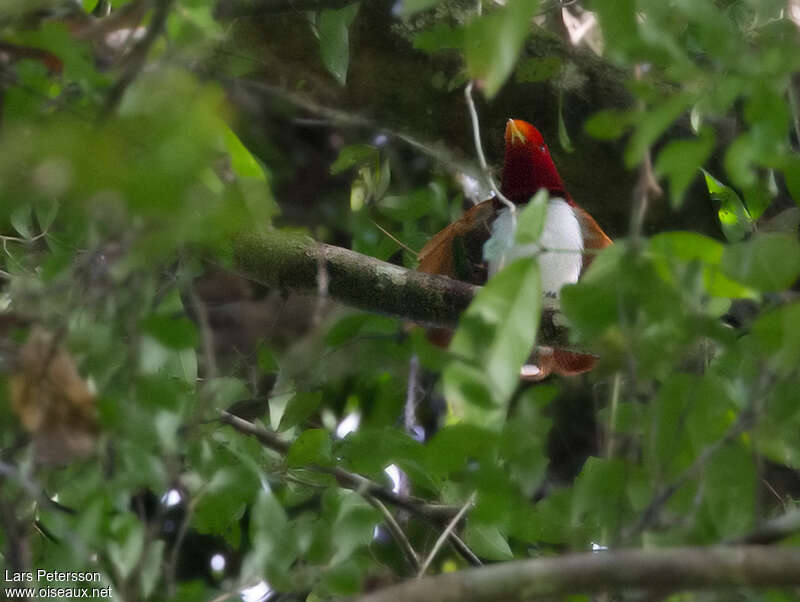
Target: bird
569, 240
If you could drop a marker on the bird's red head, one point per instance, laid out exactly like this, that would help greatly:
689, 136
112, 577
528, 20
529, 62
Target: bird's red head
528, 165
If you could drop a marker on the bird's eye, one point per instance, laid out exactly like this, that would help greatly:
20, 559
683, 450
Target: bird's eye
543, 148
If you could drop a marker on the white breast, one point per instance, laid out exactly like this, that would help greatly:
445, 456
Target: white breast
560, 248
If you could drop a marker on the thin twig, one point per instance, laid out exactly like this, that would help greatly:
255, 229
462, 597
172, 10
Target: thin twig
345, 118
207, 334
476, 135
412, 385
434, 513
646, 187
794, 105
395, 239
6, 239
612, 416
443, 537
349, 480
463, 549
172, 563
650, 513
396, 531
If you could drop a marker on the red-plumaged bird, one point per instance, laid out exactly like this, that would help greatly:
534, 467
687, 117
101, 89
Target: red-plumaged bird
460, 250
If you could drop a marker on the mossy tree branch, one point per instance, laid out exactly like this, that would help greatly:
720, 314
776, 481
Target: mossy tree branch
658, 571
295, 262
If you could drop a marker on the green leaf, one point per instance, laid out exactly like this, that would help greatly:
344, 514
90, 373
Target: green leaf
244, 164
537, 69
311, 447
224, 498
354, 526
652, 124
267, 362
791, 175
439, 37
355, 154
492, 43
300, 407
127, 541
357, 324
334, 39
608, 124
688, 246
496, 335
409, 206
46, 211
778, 336
22, 220
173, 333
563, 134
766, 262
531, 219
270, 530
342, 580
680, 161
383, 179
598, 493
733, 215
150, 571
730, 489
617, 21
455, 445
671, 248
411, 7
487, 542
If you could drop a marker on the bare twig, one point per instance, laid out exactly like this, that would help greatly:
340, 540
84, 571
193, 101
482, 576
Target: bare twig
412, 385
171, 564
438, 152
462, 548
647, 186
652, 511
349, 480
207, 334
445, 534
476, 134
399, 242
396, 531
794, 105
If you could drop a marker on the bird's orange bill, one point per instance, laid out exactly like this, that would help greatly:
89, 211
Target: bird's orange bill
457, 251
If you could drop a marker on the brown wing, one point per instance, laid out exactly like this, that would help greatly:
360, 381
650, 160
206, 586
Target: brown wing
594, 238
437, 256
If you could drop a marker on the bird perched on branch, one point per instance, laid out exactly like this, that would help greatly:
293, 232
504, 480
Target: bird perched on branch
569, 238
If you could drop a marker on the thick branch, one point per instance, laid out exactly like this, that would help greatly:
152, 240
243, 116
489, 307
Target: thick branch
668, 569
294, 262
